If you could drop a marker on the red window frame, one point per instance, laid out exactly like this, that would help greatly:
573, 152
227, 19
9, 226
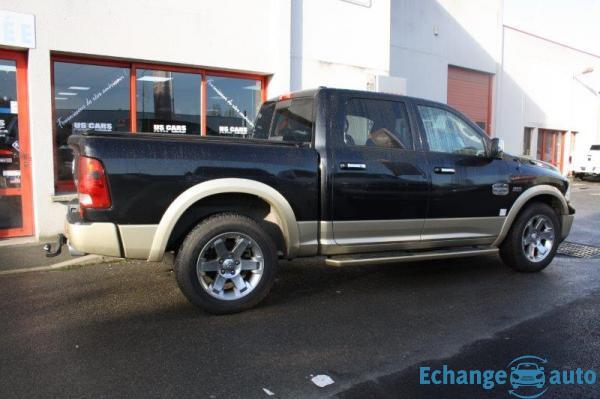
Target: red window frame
25, 190
69, 186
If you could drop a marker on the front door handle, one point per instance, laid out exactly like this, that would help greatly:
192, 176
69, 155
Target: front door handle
352, 166
444, 171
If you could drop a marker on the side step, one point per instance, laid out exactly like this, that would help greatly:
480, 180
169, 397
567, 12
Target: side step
405, 256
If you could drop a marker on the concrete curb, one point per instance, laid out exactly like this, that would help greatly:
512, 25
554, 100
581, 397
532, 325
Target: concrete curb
79, 261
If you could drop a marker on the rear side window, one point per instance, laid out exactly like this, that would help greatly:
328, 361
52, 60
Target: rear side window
595, 147
377, 123
262, 124
286, 121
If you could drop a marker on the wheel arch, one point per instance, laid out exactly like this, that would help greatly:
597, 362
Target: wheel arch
285, 217
543, 193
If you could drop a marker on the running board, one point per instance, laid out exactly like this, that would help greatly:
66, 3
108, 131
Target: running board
405, 256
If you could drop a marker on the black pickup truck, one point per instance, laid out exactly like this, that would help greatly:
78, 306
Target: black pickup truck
357, 177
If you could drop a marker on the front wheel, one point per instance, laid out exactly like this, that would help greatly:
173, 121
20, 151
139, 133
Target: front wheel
226, 264
533, 239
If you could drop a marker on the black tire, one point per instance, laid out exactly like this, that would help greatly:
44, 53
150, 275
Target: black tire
189, 252
511, 250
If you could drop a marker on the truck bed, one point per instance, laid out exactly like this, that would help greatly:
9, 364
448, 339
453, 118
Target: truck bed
146, 172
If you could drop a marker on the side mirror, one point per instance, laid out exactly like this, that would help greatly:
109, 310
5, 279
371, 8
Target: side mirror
497, 148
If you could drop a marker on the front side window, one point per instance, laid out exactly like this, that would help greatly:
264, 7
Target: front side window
448, 133
232, 105
377, 123
86, 98
168, 102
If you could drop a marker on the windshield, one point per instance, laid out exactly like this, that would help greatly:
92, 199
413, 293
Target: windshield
595, 147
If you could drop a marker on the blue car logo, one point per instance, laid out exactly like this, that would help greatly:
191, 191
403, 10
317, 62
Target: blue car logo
527, 377
527, 374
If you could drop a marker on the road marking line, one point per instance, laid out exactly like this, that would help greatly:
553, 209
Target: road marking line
79, 261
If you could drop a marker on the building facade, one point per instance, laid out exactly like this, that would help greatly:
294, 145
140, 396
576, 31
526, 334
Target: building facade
203, 68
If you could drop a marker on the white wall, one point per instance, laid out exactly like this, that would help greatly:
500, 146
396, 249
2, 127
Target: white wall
338, 43
221, 34
538, 90
429, 35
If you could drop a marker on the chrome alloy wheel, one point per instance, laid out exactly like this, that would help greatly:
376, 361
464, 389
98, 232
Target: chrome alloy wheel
538, 238
230, 266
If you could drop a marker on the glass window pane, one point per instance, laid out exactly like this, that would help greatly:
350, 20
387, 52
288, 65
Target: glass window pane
10, 171
377, 123
86, 97
293, 121
168, 102
232, 105
262, 124
448, 133
11, 212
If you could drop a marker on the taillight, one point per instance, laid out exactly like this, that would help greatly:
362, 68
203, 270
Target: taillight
92, 186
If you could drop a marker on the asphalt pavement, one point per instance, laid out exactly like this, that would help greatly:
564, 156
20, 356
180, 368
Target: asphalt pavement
125, 330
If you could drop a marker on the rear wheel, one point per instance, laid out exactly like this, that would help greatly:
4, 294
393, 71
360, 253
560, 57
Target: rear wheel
532, 240
226, 264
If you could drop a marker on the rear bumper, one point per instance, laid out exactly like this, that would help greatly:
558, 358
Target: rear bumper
123, 241
92, 238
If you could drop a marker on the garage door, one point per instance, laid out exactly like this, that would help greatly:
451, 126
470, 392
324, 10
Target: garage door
470, 92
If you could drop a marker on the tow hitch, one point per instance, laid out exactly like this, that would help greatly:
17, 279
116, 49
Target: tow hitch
60, 241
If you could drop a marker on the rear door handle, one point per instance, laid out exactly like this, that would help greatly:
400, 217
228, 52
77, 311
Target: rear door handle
444, 171
352, 166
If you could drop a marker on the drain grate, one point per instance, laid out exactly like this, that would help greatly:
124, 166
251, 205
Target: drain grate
578, 250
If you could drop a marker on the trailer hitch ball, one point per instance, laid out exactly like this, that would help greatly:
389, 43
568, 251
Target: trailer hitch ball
60, 241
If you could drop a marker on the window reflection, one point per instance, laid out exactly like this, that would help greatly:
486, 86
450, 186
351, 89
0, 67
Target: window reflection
86, 98
168, 102
232, 105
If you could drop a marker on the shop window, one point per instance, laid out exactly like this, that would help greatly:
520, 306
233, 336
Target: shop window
168, 102
11, 212
527, 140
232, 105
86, 98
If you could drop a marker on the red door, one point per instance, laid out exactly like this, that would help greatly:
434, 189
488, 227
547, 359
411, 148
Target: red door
470, 92
15, 159
551, 144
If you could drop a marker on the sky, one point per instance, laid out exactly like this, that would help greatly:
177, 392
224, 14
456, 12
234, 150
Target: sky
572, 22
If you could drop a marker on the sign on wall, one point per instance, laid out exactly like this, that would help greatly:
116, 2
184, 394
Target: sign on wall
16, 29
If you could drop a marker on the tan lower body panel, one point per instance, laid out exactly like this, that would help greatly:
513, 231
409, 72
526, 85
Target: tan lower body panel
137, 239
411, 234
462, 228
376, 231
309, 245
